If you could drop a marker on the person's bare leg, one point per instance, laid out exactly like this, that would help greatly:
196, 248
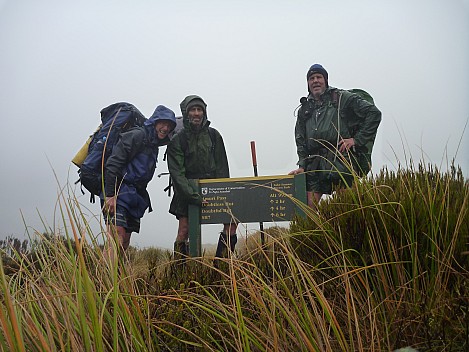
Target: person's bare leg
180, 245
183, 230
230, 229
309, 198
317, 197
116, 236
124, 240
313, 199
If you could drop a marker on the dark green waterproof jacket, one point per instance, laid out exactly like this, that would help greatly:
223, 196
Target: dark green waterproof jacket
318, 126
197, 158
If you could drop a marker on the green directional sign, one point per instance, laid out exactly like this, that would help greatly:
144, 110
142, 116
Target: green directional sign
244, 200
250, 199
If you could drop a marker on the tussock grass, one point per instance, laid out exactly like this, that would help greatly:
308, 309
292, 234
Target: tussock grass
377, 267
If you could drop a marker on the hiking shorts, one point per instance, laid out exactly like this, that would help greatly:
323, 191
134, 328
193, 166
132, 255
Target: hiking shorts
324, 173
179, 207
122, 218
313, 184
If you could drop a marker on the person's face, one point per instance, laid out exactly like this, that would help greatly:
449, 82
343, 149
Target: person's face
317, 84
163, 128
196, 115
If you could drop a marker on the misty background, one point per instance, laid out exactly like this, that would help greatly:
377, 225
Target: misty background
62, 61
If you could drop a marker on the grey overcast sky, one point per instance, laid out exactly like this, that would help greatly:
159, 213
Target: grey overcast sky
62, 61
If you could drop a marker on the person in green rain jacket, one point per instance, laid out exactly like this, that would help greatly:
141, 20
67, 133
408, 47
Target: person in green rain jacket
332, 149
196, 152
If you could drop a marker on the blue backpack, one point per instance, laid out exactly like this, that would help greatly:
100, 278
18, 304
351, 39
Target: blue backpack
115, 119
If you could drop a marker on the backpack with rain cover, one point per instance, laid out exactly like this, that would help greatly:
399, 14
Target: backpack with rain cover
115, 119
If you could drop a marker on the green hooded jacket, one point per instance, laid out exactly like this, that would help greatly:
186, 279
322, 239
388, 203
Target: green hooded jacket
318, 126
199, 161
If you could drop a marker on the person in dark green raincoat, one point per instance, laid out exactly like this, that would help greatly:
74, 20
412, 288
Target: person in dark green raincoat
334, 133
192, 155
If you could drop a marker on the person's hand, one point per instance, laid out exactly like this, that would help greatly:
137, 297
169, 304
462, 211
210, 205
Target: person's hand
346, 144
300, 170
110, 205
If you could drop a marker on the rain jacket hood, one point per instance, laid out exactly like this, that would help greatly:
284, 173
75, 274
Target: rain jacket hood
194, 154
185, 113
161, 113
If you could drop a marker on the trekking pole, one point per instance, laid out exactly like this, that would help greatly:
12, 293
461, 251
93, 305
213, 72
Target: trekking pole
254, 165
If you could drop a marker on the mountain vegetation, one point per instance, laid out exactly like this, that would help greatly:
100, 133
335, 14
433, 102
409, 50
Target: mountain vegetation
377, 267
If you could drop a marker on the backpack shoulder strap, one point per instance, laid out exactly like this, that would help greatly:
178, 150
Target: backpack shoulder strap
339, 94
335, 97
213, 138
184, 144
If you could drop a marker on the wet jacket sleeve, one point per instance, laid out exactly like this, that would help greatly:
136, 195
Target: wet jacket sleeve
176, 166
128, 145
369, 118
300, 139
221, 160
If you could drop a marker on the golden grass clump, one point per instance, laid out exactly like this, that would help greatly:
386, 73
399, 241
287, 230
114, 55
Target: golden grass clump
376, 267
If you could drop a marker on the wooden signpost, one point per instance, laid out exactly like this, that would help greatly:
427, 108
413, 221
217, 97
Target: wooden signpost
246, 199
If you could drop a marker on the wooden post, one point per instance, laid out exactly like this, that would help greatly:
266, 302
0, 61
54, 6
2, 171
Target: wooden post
254, 165
195, 236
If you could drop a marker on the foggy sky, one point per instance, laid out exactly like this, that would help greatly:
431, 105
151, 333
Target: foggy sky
62, 61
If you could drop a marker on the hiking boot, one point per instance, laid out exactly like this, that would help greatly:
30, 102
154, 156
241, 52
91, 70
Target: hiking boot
181, 250
222, 248
233, 241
